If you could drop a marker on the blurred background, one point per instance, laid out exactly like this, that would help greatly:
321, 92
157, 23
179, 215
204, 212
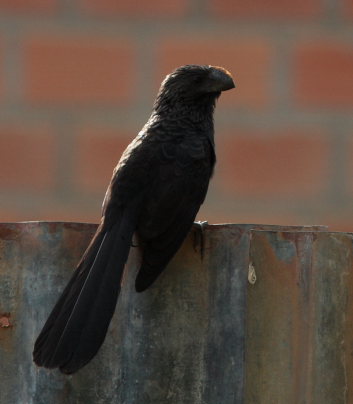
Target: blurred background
78, 79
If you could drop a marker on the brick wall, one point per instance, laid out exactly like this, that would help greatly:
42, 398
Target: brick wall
78, 78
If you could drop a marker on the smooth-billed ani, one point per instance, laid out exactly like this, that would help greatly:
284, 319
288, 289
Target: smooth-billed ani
156, 191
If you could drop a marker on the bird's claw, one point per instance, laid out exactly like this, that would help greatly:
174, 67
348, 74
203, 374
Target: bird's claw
199, 236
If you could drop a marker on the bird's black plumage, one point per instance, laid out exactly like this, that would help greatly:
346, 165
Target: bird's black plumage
156, 191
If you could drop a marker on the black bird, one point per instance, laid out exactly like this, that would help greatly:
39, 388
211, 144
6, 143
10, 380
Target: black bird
156, 191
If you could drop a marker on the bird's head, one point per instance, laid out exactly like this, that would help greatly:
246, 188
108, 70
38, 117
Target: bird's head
193, 81
193, 86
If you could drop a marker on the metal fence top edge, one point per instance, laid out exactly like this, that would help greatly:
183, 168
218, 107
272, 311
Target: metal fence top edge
197, 224
215, 226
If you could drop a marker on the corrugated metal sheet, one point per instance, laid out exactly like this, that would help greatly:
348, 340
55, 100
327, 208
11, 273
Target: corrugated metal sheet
182, 341
300, 319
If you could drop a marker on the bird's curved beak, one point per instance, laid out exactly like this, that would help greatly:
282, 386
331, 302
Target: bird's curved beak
222, 79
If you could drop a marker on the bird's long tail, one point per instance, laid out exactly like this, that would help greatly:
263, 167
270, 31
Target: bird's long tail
77, 325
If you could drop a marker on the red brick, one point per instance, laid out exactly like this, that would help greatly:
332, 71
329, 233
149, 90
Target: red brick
98, 152
27, 158
349, 178
287, 164
60, 212
341, 222
29, 5
323, 74
213, 214
150, 9
57, 211
11, 214
2, 58
249, 60
266, 9
78, 69
348, 8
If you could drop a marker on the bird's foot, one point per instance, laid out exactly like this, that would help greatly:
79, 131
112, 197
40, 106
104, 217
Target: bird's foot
199, 236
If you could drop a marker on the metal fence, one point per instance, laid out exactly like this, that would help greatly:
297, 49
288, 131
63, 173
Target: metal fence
243, 314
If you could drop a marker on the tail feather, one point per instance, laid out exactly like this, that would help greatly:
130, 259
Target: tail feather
77, 326
67, 298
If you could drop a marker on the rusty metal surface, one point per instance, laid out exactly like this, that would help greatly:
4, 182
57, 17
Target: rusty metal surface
180, 342
299, 321
35, 262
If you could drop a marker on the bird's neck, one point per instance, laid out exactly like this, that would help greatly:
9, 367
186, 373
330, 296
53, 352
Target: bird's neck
196, 111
